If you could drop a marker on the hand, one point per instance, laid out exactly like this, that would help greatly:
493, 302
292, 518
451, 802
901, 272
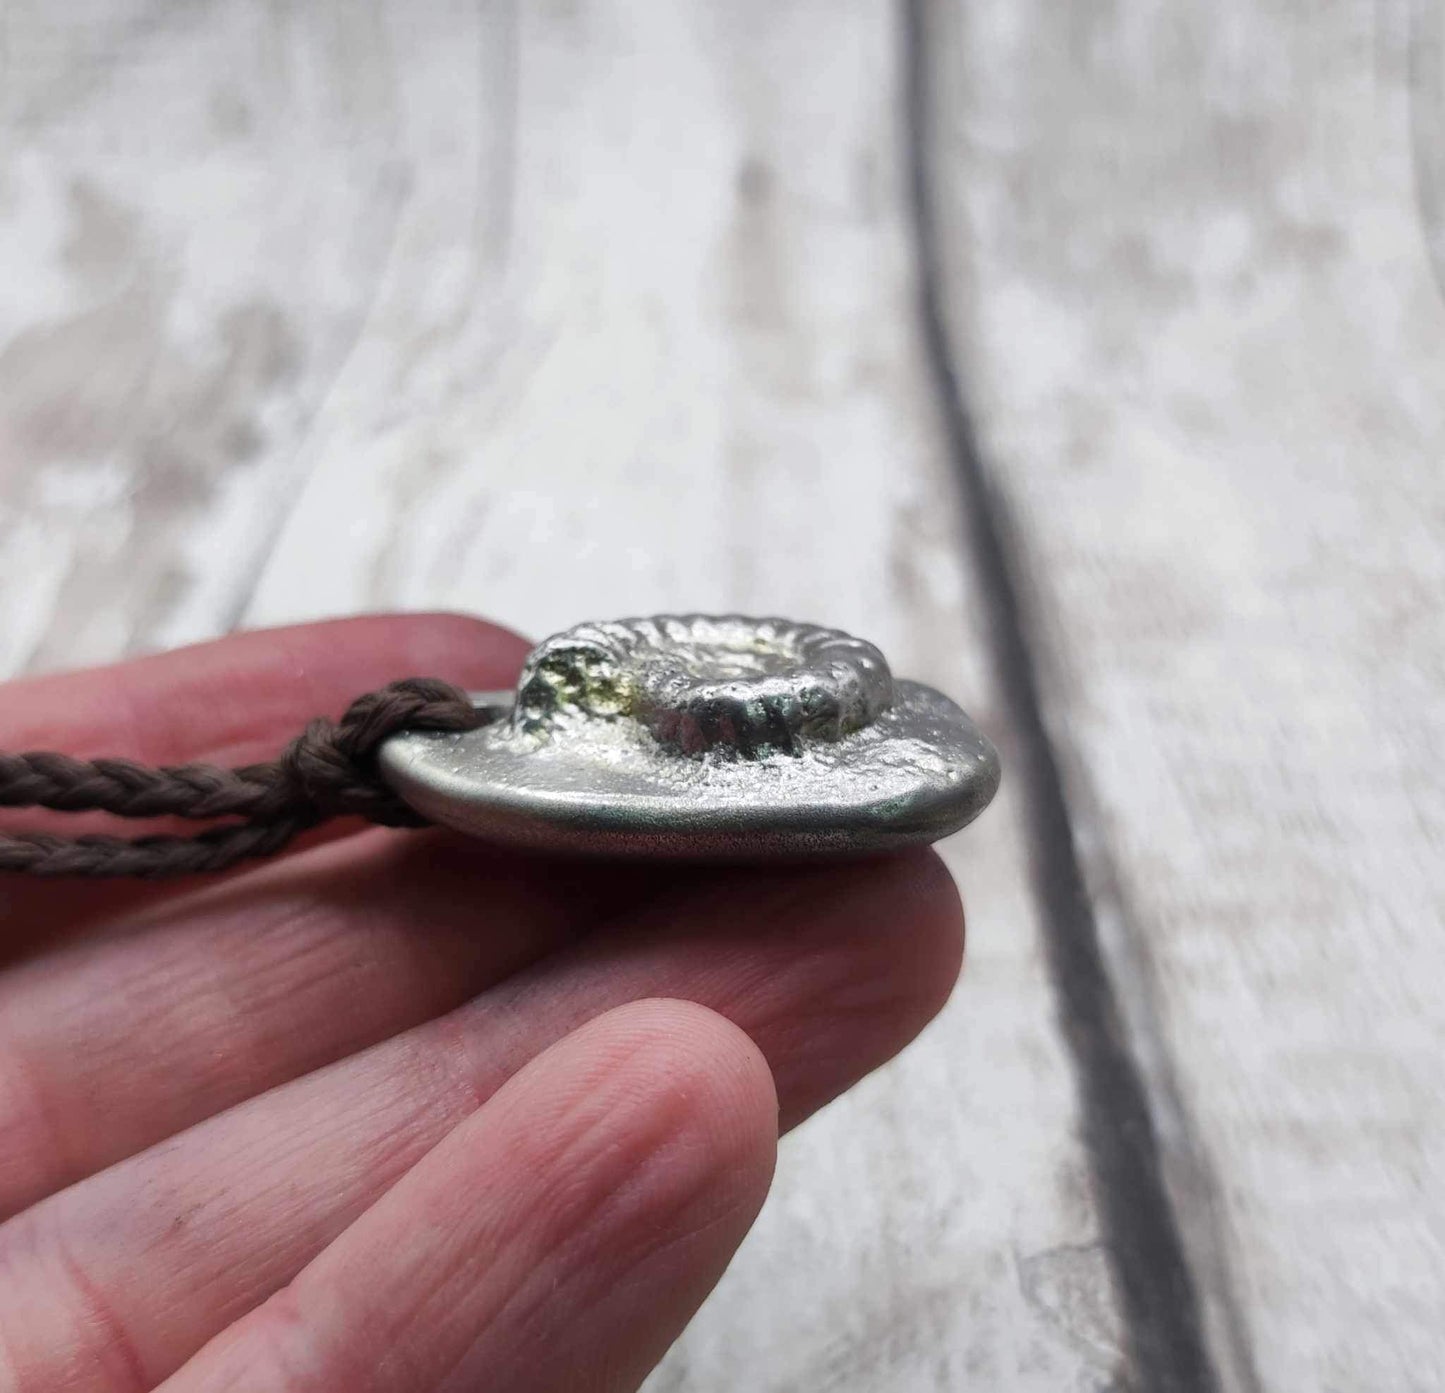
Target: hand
397, 1112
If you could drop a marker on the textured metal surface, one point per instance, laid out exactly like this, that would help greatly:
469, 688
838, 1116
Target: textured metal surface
717, 738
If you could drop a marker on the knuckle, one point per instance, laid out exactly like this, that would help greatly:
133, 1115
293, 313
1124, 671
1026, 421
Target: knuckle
62, 1329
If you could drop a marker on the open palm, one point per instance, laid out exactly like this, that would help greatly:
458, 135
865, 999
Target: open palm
398, 1112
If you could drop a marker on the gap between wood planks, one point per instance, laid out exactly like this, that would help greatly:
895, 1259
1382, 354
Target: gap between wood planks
1159, 1295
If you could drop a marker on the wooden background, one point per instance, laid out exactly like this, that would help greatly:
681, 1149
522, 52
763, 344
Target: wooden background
1088, 356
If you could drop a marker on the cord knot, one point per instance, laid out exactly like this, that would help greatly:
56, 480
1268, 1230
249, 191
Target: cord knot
330, 768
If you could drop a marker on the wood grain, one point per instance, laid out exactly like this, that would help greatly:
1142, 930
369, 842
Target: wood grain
1194, 267
555, 312
569, 310
196, 205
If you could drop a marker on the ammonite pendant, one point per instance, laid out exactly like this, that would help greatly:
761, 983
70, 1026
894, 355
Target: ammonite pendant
710, 738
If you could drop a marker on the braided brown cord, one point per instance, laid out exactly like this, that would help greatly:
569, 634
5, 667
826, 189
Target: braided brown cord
329, 770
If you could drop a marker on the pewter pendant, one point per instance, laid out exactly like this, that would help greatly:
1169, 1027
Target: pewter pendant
704, 738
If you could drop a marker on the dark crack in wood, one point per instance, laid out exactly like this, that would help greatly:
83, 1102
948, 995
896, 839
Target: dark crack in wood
1158, 1293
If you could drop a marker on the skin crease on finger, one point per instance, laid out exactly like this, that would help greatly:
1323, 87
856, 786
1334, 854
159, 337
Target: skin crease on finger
257, 982
829, 971
558, 1238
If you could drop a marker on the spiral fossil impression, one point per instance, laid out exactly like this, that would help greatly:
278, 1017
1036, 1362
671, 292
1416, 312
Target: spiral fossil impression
735, 686
705, 739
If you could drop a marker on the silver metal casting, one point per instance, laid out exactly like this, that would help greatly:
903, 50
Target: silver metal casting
710, 738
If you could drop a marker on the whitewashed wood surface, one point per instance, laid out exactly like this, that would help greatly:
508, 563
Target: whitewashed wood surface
577, 309
1195, 264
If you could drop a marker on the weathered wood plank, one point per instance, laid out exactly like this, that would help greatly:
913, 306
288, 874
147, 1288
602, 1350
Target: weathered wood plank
1195, 303
692, 381
584, 310
197, 205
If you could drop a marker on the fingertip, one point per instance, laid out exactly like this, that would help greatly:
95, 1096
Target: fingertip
922, 887
702, 1074
232, 699
691, 1095
836, 969
908, 915
338, 659
670, 1140
685, 1040
559, 1238
462, 647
